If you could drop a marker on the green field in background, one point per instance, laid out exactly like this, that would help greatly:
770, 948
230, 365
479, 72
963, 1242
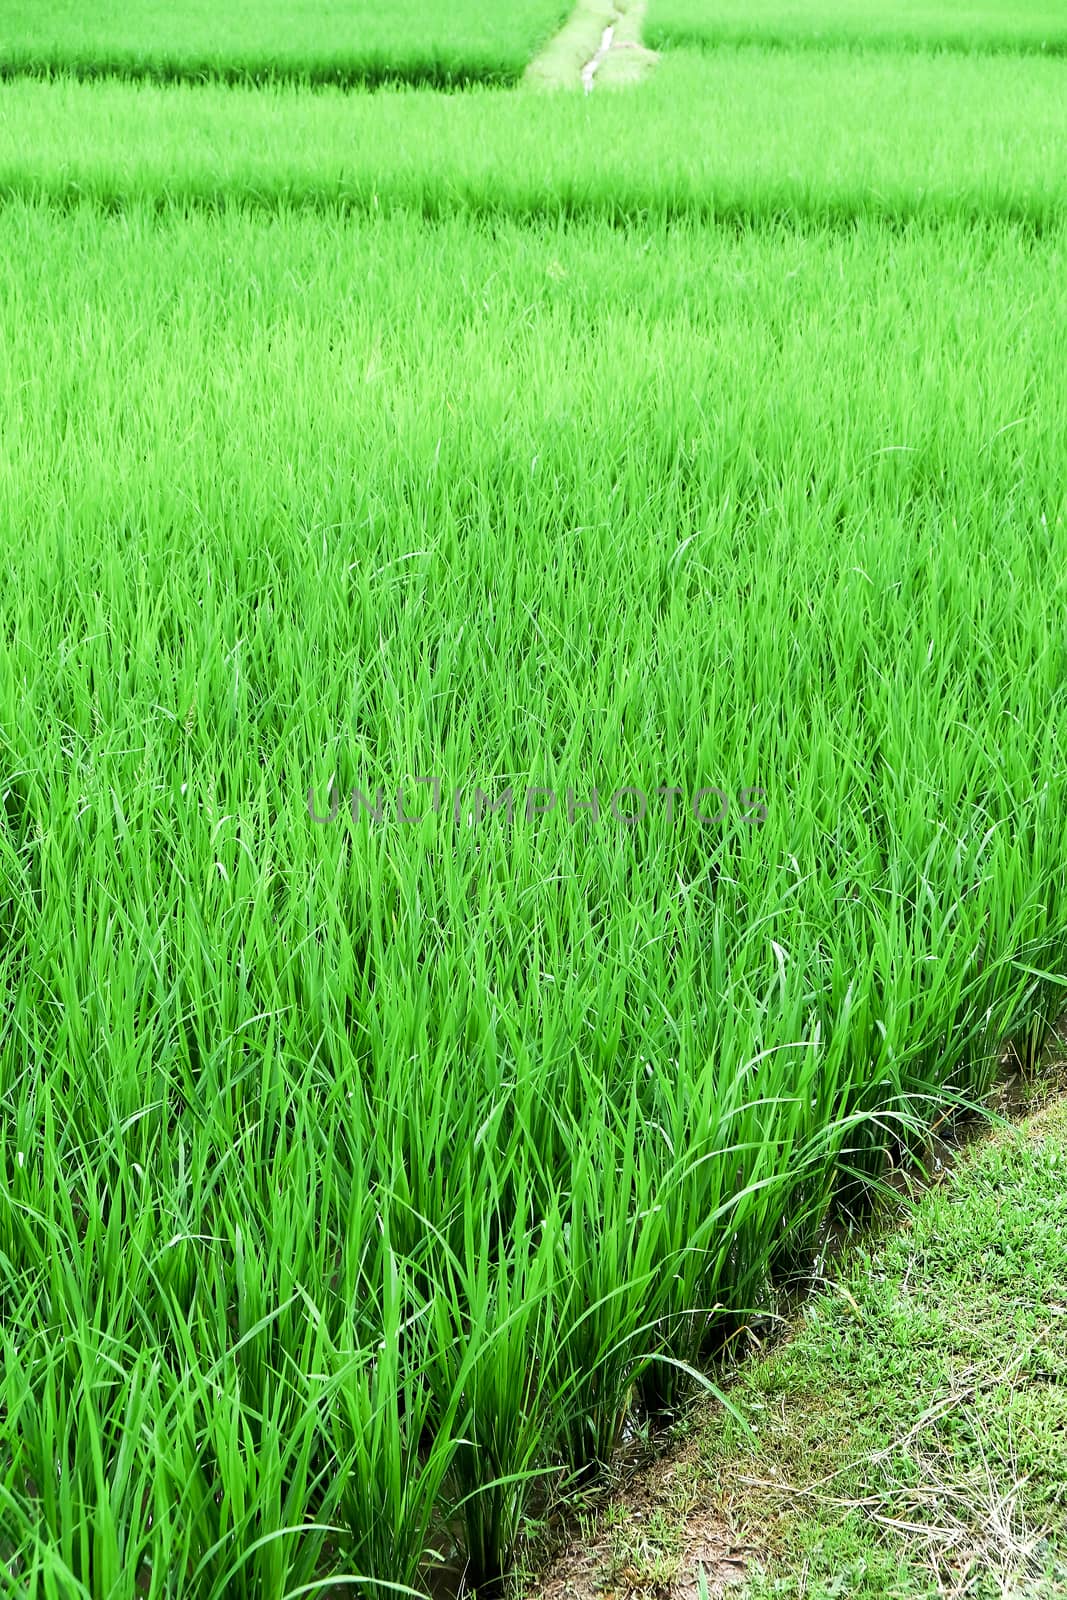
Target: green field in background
742, 136
967, 25
340, 41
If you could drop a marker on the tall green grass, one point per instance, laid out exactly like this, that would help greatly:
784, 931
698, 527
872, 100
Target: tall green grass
968, 25
360, 1180
740, 136
341, 42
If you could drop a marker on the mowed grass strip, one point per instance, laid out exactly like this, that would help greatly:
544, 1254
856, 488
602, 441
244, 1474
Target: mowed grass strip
338, 42
966, 25
910, 1438
361, 1178
915, 1439
741, 136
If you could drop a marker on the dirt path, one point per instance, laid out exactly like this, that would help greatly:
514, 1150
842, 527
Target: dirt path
598, 46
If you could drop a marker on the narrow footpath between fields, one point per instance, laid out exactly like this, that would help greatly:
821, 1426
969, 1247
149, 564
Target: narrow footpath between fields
599, 46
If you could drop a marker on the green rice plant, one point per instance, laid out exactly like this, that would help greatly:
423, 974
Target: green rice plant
607, 1277
119, 1419
257, 1483
393, 1447
493, 1347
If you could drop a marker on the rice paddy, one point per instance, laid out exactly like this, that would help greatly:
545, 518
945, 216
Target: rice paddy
342, 42
741, 136
532, 691
967, 25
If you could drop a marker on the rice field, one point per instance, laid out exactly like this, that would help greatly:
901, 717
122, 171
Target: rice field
532, 696
340, 42
967, 25
740, 136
